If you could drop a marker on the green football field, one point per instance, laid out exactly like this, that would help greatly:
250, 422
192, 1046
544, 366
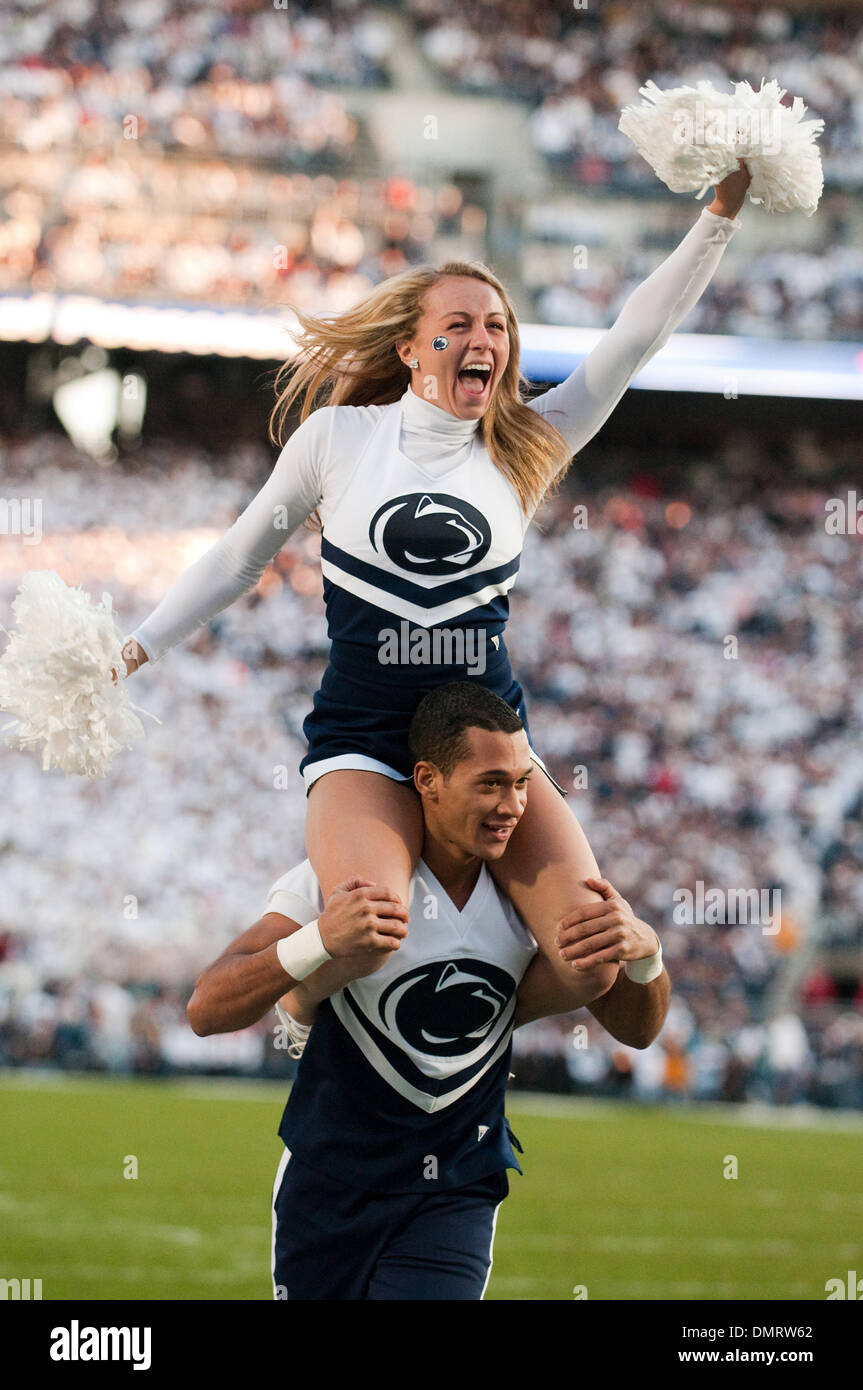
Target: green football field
619, 1201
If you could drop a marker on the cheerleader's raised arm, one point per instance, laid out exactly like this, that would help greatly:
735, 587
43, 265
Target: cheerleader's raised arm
581, 404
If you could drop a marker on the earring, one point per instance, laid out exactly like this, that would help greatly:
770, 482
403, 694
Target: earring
414, 362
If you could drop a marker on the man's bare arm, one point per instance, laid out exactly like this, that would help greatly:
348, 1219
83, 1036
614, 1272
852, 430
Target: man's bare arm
589, 939
302, 1000
541, 993
359, 927
633, 1013
245, 981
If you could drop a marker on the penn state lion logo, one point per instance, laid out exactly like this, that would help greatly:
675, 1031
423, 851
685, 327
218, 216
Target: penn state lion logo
430, 533
446, 1008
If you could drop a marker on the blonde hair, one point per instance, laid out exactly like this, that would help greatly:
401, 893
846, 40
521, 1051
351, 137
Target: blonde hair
351, 359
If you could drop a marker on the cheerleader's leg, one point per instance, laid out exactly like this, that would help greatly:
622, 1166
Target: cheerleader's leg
366, 825
543, 872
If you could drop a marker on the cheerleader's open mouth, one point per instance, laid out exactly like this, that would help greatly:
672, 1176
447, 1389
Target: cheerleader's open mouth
474, 380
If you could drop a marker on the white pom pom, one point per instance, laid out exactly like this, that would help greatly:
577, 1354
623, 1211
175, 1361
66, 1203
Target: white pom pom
657, 127
785, 164
693, 136
55, 678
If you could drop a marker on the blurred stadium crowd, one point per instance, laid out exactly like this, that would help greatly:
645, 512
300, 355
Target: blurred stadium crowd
220, 76
234, 78
215, 233
204, 153
689, 759
773, 292
577, 65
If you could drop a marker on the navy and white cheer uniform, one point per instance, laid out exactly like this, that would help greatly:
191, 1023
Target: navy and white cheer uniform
422, 534
396, 1140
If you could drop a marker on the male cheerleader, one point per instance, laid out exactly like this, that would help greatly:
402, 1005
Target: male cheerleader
396, 1142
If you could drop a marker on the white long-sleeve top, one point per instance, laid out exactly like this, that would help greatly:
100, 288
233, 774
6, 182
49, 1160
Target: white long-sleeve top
358, 464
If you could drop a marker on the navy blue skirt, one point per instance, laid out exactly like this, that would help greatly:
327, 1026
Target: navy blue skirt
360, 720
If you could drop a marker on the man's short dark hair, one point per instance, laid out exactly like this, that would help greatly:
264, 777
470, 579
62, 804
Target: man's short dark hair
438, 732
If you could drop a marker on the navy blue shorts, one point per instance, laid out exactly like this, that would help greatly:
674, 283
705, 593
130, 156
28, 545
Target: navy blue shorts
360, 721
334, 1242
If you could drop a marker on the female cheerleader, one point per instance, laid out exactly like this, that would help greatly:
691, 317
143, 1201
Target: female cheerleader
425, 467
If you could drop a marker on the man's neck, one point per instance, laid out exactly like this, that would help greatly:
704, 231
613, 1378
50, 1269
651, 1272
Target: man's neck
455, 873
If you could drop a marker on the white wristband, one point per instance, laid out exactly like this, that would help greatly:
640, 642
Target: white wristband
644, 970
302, 952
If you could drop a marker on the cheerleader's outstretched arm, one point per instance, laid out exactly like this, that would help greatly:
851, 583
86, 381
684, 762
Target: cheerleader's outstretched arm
584, 401
236, 562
